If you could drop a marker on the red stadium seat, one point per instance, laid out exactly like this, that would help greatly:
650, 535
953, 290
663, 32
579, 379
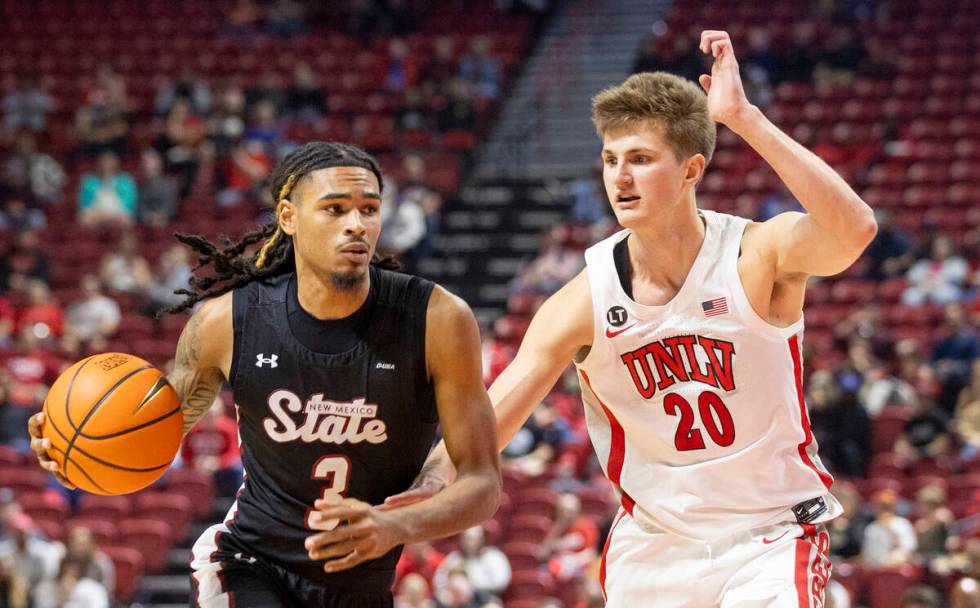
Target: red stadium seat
47, 506
529, 586
886, 464
128, 564
10, 457
110, 508
172, 508
28, 480
537, 501
151, 537
886, 586
887, 427
530, 528
522, 555
196, 487
964, 487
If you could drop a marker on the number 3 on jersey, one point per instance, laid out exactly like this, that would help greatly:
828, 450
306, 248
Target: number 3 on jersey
715, 418
335, 470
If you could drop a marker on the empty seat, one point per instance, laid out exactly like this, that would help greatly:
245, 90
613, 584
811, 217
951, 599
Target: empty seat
129, 564
111, 508
151, 537
887, 427
196, 487
164, 506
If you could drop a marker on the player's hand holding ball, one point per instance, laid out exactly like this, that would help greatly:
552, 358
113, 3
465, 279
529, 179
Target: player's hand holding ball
111, 424
364, 533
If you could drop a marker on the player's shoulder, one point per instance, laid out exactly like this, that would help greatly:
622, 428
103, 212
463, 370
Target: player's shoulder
210, 326
446, 309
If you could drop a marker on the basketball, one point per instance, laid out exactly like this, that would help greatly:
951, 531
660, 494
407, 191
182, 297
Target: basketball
114, 423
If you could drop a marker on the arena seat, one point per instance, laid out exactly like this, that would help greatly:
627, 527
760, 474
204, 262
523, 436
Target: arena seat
109, 508
151, 537
164, 506
129, 565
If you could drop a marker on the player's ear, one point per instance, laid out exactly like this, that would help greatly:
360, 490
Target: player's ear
286, 213
695, 169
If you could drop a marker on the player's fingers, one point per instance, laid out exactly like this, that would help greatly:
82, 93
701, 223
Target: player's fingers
337, 535
404, 499
34, 424
709, 36
334, 549
41, 447
705, 81
345, 563
719, 46
63, 480
348, 511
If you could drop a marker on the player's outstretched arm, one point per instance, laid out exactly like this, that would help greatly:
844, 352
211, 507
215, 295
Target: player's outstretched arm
837, 226
561, 327
454, 363
203, 358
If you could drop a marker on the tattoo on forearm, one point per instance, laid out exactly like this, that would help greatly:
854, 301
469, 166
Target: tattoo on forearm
196, 387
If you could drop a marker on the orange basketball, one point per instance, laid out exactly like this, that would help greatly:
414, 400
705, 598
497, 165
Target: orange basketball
114, 423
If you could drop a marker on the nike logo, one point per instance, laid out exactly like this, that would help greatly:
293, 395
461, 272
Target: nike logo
766, 541
613, 334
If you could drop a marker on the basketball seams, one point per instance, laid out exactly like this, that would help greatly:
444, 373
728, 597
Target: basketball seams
132, 428
79, 467
103, 462
94, 408
71, 385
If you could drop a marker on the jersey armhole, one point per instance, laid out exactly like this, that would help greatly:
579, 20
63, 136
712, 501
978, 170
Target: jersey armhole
423, 382
239, 305
597, 326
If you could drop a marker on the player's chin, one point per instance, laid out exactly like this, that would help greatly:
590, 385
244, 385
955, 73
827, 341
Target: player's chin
629, 217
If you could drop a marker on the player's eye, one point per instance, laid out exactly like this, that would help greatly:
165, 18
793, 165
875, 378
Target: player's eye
641, 159
610, 160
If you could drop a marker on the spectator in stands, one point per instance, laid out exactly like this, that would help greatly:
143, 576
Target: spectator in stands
921, 596
8, 322
480, 69
243, 21
554, 266
226, 124
536, 443
100, 124
373, 18
966, 591
26, 107
109, 197
173, 273
840, 424
890, 539
43, 316
244, 172
188, 86
457, 592
457, 113
847, 531
413, 116
571, 543
957, 346
880, 63
441, 69
35, 558
932, 526
413, 592
93, 316
486, 567
42, 175
72, 589
403, 225
80, 547
13, 418
157, 192
264, 127
125, 270
211, 447
285, 18
304, 98
403, 67
939, 278
183, 131
419, 558
890, 253
25, 259
801, 57
925, 435
16, 216
774, 203
840, 57
268, 89
13, 586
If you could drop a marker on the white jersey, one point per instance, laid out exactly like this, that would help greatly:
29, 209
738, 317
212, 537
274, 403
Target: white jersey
695, 408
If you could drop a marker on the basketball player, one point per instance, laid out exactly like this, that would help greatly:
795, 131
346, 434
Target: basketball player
341, 371
685, 329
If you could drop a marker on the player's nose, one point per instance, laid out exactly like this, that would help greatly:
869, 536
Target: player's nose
354, 223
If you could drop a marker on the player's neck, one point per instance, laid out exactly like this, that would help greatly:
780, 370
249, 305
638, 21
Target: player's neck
322, 299
667, 248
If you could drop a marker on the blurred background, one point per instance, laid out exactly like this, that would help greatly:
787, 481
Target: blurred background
124, 122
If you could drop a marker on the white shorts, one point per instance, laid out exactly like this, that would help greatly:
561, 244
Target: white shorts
779, 566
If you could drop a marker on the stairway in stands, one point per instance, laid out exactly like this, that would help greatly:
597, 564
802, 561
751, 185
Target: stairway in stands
488, 233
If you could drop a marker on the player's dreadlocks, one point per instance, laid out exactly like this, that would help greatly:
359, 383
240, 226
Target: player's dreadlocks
231, 268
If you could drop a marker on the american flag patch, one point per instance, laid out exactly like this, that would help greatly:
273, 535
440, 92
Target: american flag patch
713, 308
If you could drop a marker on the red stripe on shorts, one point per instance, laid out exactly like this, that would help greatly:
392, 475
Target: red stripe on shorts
802, 569
605, 551
617, 448
794, 349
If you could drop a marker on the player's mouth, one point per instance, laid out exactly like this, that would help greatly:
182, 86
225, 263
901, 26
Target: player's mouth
627, 201
356, 252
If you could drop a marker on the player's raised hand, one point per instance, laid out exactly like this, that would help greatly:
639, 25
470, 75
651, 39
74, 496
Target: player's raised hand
40, 445
365, 533
727, 102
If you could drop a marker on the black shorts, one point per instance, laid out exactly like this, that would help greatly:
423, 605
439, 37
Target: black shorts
228, 577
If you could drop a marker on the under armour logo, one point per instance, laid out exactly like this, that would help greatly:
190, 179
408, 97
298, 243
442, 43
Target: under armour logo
261, 360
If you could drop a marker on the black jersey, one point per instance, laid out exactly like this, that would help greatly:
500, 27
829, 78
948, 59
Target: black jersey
357, 424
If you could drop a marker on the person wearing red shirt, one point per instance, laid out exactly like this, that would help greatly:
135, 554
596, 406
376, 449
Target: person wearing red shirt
211, 447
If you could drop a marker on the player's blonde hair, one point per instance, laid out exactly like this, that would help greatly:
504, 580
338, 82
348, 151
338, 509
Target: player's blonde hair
676, 105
